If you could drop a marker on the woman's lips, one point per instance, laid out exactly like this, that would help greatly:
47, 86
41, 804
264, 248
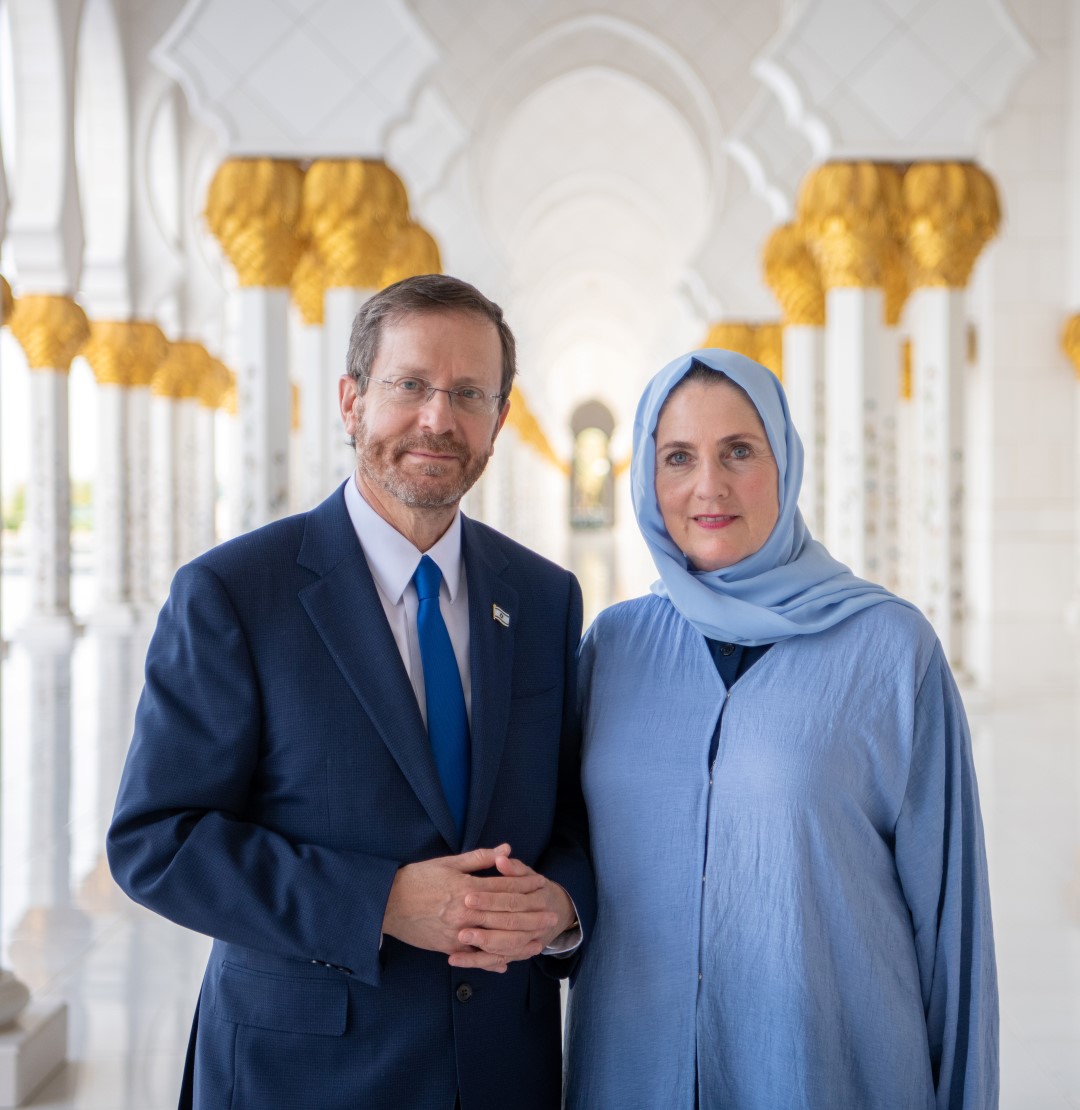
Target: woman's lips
714, 522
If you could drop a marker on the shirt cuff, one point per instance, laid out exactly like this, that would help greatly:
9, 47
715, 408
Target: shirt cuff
568, 942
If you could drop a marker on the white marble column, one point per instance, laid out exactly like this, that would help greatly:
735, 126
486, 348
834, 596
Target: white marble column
51, 329
320, 425
188, 524
854, 347
115, 350
938, 349
804, 383
164, 534
849, 217
264, 402
253, 208
951, 211
111, 506
205, 476
906, 479
792, 274
143, 591
172, 445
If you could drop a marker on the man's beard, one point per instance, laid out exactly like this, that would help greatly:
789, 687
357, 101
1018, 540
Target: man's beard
431, 486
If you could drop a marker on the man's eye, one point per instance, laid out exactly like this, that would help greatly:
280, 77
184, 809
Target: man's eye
410, 385
470, 393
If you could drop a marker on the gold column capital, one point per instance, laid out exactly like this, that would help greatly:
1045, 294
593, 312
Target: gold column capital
124, 352
1070, 341
412, 252
951, 212
181, 372
763, 343
50, 329
229, 399
7, 302
253, 208
731, 335
792, 275
848, 212
769, 348
353, 209
529, 431
213, 384
309, 288
895, 282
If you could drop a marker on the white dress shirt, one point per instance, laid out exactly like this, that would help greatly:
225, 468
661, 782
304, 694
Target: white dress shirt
392, 560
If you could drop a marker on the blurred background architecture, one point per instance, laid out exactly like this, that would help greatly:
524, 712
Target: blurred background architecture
879, 199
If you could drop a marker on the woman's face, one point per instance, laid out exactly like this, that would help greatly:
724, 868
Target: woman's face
716, 478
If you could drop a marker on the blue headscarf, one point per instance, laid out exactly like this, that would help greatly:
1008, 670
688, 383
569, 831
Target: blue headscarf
791, 586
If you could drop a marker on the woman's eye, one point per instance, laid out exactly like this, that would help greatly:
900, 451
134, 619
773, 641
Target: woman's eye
678, 458
740, 451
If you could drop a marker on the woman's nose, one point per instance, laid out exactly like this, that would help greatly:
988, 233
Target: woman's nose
712, 480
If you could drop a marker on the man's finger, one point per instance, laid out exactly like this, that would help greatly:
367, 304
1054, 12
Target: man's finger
534, 923
510, 945
479, 859
509, 901
531, 884
507, 865
484, 961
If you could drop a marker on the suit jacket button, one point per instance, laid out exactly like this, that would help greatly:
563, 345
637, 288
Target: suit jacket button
464, 992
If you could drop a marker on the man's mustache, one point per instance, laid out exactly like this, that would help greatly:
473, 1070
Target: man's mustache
436, 445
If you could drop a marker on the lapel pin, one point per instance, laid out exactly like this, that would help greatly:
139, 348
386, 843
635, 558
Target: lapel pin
501, 615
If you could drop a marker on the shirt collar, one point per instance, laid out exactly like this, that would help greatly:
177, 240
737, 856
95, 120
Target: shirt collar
392, 558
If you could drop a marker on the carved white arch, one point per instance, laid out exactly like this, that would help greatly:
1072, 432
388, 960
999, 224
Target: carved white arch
605, 41
103, 157
46, 226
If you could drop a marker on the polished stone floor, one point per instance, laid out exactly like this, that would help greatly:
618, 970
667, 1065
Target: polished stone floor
130, 979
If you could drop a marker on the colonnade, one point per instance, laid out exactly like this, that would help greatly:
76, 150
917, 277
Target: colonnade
874, 265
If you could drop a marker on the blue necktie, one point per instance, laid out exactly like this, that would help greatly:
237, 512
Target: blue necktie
447, 720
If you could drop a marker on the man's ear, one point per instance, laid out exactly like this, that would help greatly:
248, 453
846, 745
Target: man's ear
503, 414
347, 397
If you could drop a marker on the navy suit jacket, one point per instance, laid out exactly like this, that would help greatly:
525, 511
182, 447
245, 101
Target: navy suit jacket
280, 774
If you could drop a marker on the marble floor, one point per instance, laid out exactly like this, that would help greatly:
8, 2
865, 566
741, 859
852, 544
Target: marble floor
130, 979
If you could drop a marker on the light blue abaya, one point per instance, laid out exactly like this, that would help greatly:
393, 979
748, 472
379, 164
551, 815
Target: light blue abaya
807, 925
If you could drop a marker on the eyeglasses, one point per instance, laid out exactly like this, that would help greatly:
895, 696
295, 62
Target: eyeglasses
414, 392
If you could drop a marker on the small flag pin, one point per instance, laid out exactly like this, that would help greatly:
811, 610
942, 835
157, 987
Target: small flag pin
501, 615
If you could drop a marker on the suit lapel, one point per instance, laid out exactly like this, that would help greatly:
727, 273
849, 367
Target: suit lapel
344, 606
491, 661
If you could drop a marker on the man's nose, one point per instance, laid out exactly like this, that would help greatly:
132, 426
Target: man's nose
436, 414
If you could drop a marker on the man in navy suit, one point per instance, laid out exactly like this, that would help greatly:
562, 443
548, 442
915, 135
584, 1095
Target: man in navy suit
390, 910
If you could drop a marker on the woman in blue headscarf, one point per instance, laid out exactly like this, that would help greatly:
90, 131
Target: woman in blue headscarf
793, 903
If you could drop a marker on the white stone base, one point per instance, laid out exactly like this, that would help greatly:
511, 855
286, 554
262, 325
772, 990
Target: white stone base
31, 1050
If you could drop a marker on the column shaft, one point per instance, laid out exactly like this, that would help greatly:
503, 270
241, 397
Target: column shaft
48, 500
804, 382
938, 370
206, 478
264, 401
111, 513
164, 539
853, 353
137, 478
